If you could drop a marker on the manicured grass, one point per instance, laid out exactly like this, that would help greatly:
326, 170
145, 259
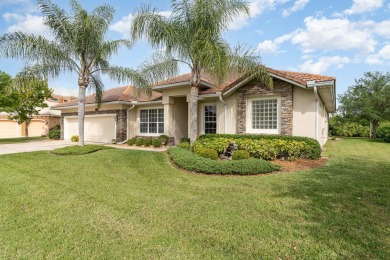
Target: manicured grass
79, 150
20, 139
117, 204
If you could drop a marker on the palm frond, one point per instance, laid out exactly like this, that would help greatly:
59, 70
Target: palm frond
97, 87
159, 67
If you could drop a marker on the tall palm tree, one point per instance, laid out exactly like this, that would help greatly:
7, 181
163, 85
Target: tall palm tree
78, 45
192, 35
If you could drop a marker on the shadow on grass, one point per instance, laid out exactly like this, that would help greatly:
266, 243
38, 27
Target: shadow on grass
346, 205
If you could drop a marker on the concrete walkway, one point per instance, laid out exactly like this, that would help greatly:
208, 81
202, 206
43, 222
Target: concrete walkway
46, 145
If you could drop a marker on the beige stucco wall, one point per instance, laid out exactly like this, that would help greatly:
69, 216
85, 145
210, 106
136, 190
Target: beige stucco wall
304, 104
180, 118
305, 108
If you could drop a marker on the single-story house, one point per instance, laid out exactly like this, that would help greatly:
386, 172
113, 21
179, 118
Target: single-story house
298, 105
39, 125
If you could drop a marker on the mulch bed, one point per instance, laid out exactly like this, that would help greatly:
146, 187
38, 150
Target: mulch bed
300, 165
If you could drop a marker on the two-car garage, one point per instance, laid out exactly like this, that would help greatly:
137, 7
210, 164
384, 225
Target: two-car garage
97, 128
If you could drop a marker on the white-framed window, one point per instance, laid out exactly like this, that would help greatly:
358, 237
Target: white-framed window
209, 119
151, 121
263, 115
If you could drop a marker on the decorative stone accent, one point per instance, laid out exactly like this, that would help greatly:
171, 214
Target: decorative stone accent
120, 119
254, 89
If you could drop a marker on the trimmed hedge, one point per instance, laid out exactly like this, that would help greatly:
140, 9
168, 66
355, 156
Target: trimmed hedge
241, 155
206, 153
267, 147
55, 134
187, 160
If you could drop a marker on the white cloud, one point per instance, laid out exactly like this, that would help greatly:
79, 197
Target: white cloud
123, 26
256, 7
334, 34
383, 28
298, 5
380, 57
65, 91
364, 6
27, 23
323, 64
267, 46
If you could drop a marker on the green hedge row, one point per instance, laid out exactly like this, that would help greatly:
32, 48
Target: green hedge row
193, 162
384, 132
267, 147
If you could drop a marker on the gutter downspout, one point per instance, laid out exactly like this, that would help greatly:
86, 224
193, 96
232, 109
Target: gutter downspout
224, 112
316, 118
127, 123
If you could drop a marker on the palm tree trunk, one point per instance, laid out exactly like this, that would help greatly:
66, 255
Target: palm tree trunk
193, 133
81, 114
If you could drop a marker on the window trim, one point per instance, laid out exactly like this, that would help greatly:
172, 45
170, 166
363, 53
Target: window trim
249, 128
139, 121
203, 121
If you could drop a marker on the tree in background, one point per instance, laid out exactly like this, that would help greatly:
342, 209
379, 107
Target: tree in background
25, 97
7, 98
79, 45
368, 99
192, 35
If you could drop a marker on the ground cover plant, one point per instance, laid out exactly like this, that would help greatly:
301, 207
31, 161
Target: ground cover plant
206, 162
116, 204
79, 150
20, 139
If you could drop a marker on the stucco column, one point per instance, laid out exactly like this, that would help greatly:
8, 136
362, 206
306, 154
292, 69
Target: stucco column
168, 103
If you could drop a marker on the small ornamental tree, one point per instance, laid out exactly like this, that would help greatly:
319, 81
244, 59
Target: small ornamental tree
368, 99
28, 97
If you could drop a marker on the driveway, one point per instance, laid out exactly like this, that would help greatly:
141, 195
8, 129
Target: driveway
33, 146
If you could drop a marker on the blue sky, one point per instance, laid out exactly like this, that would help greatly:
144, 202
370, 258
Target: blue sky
341, 38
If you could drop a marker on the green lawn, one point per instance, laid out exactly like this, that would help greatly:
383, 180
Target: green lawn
117, 204
20, 139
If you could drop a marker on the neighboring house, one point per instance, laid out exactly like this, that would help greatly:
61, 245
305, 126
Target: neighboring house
298, 105
39, 125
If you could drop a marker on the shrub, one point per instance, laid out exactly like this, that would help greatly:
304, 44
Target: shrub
384, 132
164, 139
74, 138
56, 127
185, 145
139, 141
156, 142
148, 141
267, 147
240, 155
55, 134
131, 141
193, 162
207, 153
185, 140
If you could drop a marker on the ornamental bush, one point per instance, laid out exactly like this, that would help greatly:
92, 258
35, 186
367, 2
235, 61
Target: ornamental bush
74, 138
156, 142
139, 141
185, 145
267, 147
193, 162
164, 139
240, 155
384, 132
206, 153
55, 134
147, 141
131, 141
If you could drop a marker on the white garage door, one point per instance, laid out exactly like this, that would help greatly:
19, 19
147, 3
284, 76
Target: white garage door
97, 128
9, 129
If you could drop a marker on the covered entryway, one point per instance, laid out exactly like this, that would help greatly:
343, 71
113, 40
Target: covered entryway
97, 128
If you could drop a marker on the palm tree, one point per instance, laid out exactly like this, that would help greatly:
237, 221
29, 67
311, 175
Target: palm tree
78, 45
192, 35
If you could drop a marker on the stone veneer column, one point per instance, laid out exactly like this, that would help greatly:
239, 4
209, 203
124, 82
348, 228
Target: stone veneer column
253, 90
